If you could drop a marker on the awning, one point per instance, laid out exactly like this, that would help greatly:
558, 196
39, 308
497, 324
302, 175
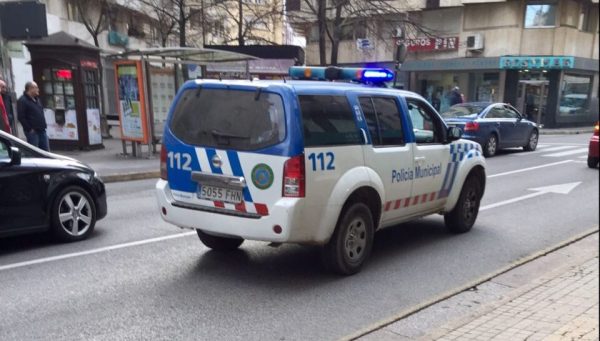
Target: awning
184, 55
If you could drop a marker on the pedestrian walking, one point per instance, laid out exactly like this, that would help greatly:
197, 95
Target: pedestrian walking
31, 116
4, 123
8, 104
455, 96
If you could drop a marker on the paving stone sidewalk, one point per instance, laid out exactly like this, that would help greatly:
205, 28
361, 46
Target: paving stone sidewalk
552, 295
562, 308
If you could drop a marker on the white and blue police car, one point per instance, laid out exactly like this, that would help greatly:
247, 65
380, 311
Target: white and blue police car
312, 160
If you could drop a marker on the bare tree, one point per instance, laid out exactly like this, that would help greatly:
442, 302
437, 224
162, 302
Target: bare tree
173, 17
333, 17
254, 21
93, 16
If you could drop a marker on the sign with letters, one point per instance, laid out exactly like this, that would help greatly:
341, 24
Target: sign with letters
429, 44
537, 62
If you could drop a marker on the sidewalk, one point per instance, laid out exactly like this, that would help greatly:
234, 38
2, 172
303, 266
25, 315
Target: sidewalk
553, 297
113, 166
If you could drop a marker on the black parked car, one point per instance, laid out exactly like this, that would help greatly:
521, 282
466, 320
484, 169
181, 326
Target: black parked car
493, 125
44, 191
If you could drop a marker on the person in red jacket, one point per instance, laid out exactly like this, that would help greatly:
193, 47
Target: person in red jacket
4, 123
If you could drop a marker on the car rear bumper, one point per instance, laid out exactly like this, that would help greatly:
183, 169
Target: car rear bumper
474, 138
286, 213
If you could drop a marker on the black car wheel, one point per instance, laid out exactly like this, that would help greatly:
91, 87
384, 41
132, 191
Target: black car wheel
351, 243
219, 243
491, 146
592, 162
463, 215
532, 141
73, 214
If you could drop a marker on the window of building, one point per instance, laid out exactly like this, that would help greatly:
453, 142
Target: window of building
73, 13
588, 17
575, 95
540, 14
353, 30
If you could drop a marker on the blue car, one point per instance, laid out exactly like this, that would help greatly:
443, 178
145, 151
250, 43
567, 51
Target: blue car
493, 125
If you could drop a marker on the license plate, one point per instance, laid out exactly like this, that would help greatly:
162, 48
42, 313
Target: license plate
219, 194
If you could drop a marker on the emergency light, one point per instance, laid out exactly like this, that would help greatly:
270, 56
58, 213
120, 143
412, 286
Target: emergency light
361, 75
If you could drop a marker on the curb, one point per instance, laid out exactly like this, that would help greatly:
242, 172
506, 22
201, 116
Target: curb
130, 176
452, 292
566, 132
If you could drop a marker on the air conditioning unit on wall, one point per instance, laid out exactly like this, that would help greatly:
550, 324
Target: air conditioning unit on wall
475, 41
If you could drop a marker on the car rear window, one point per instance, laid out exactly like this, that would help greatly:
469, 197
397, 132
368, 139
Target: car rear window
233, 119
463, 110
328, 120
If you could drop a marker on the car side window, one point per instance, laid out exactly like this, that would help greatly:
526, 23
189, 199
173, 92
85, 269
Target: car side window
511, 113
496, 112
328, 120
426, 124
4, 156
383, 119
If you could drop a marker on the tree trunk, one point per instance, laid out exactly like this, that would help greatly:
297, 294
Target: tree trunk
241, 39
337, 34
322, 20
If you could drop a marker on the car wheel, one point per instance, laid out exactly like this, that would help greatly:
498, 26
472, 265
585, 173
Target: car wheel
219, 243
592, 162
532, 142
462, 218
491, 146
351, 242
73, 214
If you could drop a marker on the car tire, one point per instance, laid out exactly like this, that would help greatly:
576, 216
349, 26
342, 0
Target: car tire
351, 242
592, 162
491, 146
532, 141
462, 217
73, 214
219, 243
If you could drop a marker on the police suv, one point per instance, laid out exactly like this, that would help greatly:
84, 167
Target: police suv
313, 160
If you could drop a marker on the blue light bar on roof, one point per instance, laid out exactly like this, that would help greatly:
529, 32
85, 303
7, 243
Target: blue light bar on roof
361, 75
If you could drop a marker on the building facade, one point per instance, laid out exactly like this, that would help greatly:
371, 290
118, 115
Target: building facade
540, 56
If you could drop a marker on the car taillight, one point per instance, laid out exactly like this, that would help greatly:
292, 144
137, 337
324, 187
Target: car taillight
163, 163
293, 177
596, 128
471, 126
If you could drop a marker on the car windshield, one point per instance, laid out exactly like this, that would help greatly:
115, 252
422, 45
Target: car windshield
463, 111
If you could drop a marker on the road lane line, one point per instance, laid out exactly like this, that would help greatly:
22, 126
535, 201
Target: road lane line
568, 152
544, 150
528, 169
510, 201
93, 251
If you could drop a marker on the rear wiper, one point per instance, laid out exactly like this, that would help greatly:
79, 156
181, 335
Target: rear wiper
228, 135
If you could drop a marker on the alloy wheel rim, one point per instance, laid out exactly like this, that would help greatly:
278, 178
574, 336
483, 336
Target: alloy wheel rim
491, 147
470, 205
356, 240
533, 140
75, 214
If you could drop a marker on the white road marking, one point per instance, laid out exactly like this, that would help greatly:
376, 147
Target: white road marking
559, 189
92, 251
528, 169
544, 150
568, 152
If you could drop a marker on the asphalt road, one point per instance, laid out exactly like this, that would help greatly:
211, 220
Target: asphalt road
140, 278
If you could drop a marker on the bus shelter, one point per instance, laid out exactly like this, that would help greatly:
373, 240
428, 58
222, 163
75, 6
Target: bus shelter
147, 81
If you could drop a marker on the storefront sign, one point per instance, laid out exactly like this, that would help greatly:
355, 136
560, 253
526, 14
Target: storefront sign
537, 62
132, 112
431, 44
93, 123
61, 130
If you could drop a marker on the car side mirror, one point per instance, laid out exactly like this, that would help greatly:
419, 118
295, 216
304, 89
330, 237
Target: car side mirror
15, 156
454, 133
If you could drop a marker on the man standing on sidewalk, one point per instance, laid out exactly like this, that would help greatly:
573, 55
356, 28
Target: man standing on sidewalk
8, 104
31, 116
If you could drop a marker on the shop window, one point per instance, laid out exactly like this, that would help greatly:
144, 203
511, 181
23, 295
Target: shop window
540, 15
575, 95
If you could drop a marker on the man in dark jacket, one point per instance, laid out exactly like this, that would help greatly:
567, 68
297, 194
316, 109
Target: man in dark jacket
31, 116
